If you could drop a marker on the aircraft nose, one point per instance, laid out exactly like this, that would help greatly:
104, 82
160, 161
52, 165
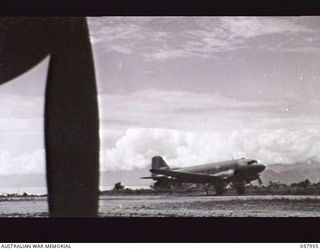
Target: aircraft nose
261, 167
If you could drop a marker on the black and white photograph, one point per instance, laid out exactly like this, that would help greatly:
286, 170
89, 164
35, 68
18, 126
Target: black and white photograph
160, 116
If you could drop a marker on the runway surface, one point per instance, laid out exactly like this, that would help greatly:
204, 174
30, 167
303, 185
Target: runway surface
210, 206
179, 206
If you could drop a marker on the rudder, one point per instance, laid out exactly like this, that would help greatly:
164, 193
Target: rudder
159, 163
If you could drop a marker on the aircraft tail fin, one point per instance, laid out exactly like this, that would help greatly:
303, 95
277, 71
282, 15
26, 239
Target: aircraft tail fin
158, 163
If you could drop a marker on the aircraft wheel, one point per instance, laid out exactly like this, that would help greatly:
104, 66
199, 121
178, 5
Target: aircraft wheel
206, 190
219, 190
240, 189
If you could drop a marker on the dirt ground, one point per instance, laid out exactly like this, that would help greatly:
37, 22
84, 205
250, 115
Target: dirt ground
210, 206
24, 207
179, 206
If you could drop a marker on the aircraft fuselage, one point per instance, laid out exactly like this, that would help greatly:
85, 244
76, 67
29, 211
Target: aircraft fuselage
218, 174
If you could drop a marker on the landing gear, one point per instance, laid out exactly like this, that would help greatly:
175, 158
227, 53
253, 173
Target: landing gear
207, 188
162, 185
220, 190
260, 181
240, 188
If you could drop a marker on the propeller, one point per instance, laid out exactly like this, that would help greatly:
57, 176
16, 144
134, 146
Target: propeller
259, 180
71, 107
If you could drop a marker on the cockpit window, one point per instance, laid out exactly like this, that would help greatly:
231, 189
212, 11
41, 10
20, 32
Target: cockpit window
252, 162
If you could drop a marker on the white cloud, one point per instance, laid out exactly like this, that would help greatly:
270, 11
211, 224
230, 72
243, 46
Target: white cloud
247, 27
191, 110
154, 100
21, 122
23, 104
167, 54
230, 33
22, 100
21, 113
306, 50
23, 164
162, 38
21, 125
116, 34
183, 148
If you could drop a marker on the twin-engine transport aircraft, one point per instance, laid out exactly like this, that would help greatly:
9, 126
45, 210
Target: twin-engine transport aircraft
220, 174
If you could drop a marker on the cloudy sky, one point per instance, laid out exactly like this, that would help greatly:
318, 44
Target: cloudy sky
193, 89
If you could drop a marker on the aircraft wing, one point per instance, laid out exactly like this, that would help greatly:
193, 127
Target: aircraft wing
193, 177
225, 174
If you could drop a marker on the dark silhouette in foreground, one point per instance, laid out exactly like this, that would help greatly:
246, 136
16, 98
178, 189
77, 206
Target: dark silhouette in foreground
71, 109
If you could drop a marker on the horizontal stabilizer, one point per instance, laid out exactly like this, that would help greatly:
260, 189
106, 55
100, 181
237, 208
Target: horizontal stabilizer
158, 177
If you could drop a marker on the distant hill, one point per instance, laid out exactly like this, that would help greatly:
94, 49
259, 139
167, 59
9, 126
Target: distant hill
285, 167
291, 176
278, 172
